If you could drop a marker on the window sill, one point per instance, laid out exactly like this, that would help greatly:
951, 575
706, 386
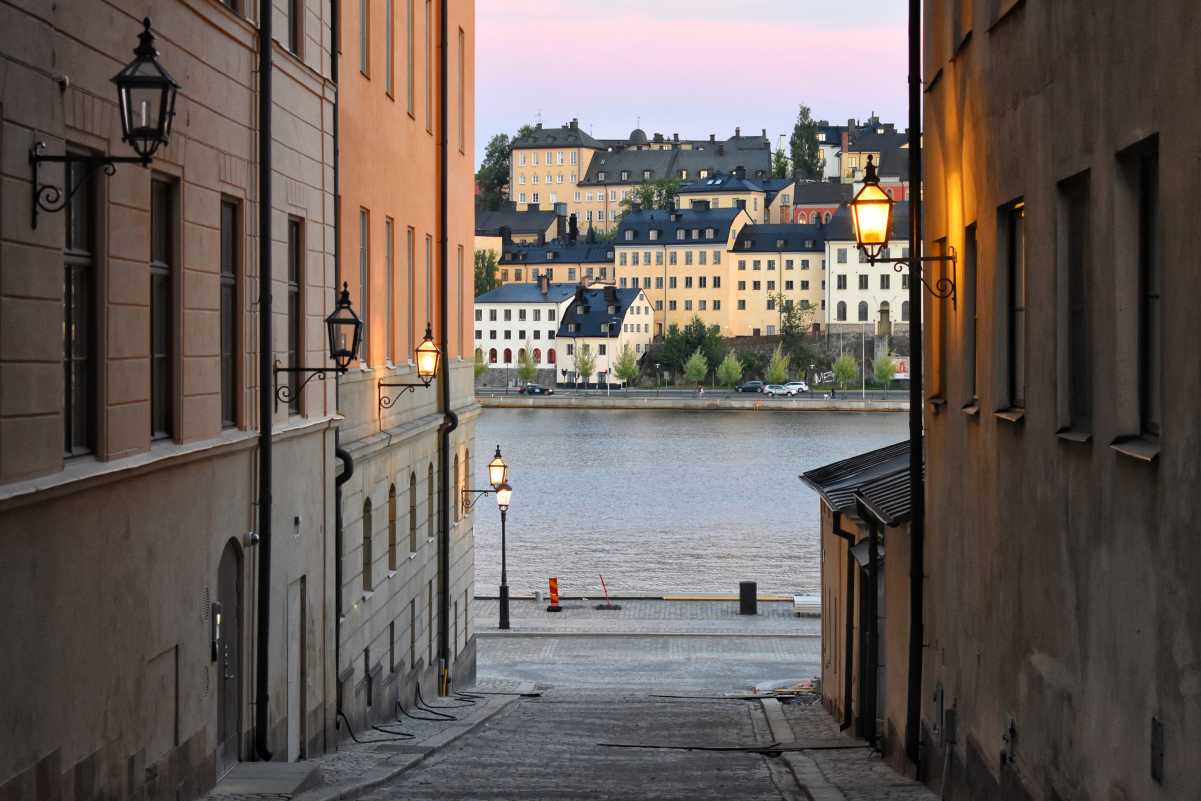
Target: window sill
1137, 448
1014, 414
412, 555
391, 573
1069, 435
972, 409
938, 403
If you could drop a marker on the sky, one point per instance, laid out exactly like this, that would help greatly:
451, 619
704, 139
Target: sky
692, 67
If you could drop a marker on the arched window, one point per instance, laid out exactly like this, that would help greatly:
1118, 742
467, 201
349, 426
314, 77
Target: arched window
367, 545
550, 356
492, 356
412, 513
863, 311
392, 527
508, 356
813, 218
458, 487
520, 355
430, 505
537, 356
904, 311
479, 354
884, 312
467, 480
841, 314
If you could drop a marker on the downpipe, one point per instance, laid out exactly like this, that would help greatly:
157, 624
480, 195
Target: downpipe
347, 471
848, 693
450, 419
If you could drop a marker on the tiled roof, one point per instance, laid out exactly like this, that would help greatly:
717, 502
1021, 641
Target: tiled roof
556, 251
752, 153
824, 192
591, 308
841, 229
568, 135
527, 293
879, 477
489, 223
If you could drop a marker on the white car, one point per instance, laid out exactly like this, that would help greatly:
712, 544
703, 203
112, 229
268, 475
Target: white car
776, 389
796, 387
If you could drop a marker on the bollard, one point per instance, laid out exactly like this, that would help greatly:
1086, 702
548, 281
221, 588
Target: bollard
747, 598
554, 597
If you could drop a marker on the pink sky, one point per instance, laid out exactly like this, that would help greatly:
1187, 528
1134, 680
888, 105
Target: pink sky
693, 68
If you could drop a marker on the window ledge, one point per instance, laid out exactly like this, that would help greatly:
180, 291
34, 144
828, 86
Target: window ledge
971, 410
1069, 435
1138, 448
391, 573
412, 555
938, 402
1014, 414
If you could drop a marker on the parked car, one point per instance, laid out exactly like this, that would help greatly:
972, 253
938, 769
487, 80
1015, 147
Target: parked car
537, 389
796, 387
776, 389
749, 386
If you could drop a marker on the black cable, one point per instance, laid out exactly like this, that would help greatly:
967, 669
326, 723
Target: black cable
402, 734
421, 702
407, 714
354, 737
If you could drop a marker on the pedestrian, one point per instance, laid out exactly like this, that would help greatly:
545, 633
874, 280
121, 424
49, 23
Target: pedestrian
700, 391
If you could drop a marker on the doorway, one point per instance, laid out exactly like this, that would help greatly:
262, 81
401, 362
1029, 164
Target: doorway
228, 628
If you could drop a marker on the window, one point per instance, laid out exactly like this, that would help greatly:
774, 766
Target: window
392, 512
863, 279
885, 281
364, 283
842, 255
756, 264
904, 311
295, 23
389, 48
295, 309
430, 505
841, 311
672, 258
771, 304
840, 282
942, 324
230, 317
970, 313
79, 302
742, 264
389, 289
742, 305
162, 311
413, 495
364, 35
429, 66
1139, 169
804, 285
1014, 239
429, 277
788, 285
367, 524
671, 305
756, 285
671, 282
688, 282
687, 305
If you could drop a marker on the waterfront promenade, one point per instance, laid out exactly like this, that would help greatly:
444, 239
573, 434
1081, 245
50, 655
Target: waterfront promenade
686, 400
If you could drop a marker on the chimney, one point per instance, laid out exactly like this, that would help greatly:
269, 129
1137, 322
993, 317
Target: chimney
851, 123
738, 132
544, 283
846, 142
506, 235
675, 137
764, 133
610, 293
573, 227
538, 126
560, 221
740, 172
575, 123
712, 137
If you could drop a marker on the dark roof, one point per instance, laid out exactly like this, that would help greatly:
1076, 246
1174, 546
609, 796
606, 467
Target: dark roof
556, 251
785, 237
880, 478
827, 193
527, 293
841, 229
752, 153
668, 222
612, 162
869, 141
590, 310
721, 183
894, 164
489, 223
569, 135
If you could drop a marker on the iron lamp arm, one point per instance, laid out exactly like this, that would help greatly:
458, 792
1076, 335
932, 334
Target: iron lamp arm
284, 392
943, 286
50, 198
472, 496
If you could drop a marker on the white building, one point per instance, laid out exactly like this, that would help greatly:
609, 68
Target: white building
517, 317
860, 295
603, 321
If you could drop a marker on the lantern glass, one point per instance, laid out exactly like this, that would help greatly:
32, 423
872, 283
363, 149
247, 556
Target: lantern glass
345, 331
498, 471
428, 357
871, 212
146, 97
504, 494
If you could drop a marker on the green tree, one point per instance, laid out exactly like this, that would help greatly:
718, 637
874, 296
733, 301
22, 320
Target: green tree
806, 155
779, 165
486, 278
884, 368
777, 367
696, 368
795, 319
585, 364
846, 368
480, 364
627, 366
729, 372
674, 350
654, 194
706, 338
493, 174
527, 370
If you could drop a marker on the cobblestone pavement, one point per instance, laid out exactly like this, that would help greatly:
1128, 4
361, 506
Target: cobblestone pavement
645, 617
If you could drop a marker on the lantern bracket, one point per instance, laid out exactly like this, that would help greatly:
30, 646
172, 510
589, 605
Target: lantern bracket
284, 392
387, 400
943, 287
50, 198
472, 496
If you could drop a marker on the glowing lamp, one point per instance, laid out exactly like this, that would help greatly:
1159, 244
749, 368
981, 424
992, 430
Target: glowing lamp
428, 357
498, 471
871, 213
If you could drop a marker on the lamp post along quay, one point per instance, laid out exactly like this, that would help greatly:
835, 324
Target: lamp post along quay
498, 477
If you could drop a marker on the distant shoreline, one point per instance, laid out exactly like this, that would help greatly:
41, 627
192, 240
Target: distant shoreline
758, 403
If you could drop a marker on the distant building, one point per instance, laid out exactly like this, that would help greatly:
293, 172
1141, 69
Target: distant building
817, 201
531, 226
764, 199
602, 321
521, 317
558, 260
773, 263
863, 297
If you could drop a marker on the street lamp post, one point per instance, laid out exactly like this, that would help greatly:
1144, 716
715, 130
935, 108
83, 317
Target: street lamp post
498, 477
658, 379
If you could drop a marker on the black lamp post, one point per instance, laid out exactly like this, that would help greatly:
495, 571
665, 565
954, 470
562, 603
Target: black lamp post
146, 99
345, 331
498, 477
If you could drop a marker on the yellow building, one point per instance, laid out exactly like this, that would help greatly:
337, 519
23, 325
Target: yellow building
766, 200
559, 260
773, 263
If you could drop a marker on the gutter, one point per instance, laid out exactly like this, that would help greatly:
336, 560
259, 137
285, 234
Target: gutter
262, 695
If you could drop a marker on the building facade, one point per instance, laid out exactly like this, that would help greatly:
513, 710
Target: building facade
860, 296
772, 267
518, 318
1061, 599
129, 422
598, 325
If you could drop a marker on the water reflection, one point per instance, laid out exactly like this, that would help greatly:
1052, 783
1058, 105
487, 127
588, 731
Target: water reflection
660, 501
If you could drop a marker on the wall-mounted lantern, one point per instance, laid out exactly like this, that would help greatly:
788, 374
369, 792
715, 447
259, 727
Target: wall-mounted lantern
428, 358
345, 332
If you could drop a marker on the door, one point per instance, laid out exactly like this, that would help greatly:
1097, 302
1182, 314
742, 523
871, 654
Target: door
229, 658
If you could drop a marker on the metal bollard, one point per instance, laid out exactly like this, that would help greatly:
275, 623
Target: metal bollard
748, 598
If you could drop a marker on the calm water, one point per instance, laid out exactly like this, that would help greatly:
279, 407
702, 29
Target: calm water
661, 501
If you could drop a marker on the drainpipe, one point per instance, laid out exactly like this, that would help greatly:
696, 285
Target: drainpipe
347, 471
262, 695
848, 692
917, 497
450, 419
339, 452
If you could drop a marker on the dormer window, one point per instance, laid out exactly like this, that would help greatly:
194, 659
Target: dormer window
612, 309
808, 243
646, 175
571, 328
704, 173
629, 236
779, 244
710, 233
747, 244
600, 176
609, 255
550, 255
680, 234
696, 233
625, 175
654, 234
684, 175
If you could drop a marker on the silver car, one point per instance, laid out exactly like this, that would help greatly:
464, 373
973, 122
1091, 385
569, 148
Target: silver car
796, 387
775, 389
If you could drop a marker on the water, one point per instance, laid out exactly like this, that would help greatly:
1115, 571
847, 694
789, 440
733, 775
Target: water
660, 501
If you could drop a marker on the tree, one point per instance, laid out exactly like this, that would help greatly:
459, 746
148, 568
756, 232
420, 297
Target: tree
480, 364
585, 364
795, 319
627, 366
779, 165
485, 272
806, 155
777, 368
706, 338
884, 369
652, 194
729, 372
696, 368
845, 369
527, 370
493, 175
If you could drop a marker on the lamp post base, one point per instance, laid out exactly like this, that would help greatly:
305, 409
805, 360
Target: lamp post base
504, 606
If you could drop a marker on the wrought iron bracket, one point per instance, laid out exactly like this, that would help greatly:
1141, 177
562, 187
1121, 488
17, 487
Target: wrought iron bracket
284, 393
50, 198
468, 493
387, 400
943, 287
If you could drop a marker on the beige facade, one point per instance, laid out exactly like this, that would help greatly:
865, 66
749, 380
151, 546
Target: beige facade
761, 278
1062, 598
634, 330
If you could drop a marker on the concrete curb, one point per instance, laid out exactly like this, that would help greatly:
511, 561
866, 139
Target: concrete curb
808, 775
374, 778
